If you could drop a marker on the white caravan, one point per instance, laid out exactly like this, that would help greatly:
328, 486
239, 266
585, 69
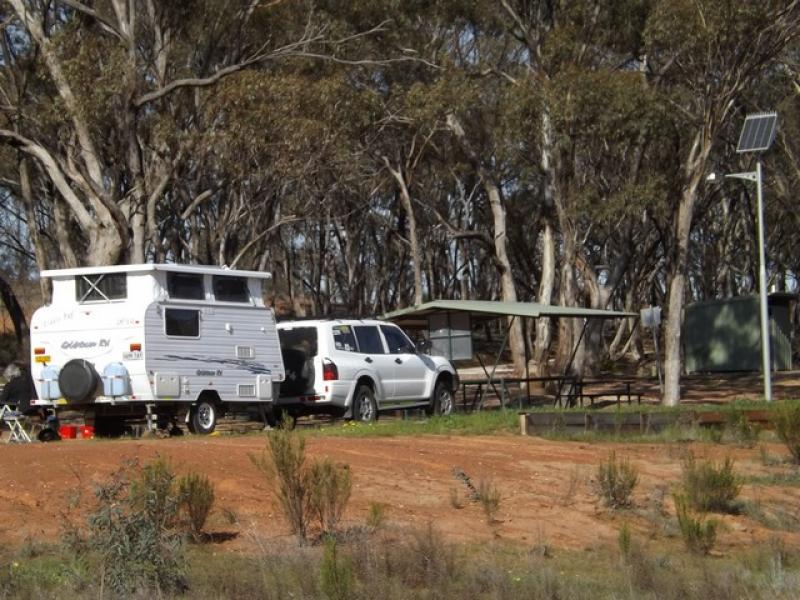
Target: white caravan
174, 342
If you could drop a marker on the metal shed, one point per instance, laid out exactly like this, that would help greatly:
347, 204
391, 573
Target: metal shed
725, 335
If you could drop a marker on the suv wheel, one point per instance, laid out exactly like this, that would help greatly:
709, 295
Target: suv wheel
443, 400
365, 408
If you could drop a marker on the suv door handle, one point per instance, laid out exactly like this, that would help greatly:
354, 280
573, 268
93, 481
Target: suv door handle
368, 359
398, 361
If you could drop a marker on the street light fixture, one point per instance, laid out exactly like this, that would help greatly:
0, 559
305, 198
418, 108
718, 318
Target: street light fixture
757, 135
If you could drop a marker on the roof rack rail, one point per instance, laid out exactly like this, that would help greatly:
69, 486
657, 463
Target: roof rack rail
325, 318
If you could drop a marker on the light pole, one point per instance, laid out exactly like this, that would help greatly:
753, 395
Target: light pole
766, 365
757, 135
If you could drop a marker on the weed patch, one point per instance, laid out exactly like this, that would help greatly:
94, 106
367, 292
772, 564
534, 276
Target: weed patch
787, 426
699, 535
617, 480
708, 486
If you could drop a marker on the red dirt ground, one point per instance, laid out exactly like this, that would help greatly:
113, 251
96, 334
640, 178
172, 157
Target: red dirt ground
547, 487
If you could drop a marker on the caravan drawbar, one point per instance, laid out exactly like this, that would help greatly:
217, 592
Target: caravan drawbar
173, 342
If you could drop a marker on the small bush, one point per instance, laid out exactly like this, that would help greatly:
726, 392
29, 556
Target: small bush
741, 430
624, 540
710, 487
489, 498
305, 492
698, 535
283, 465
132, 532
376, 515
787, 426
196, 494
617, 481
335, 573
330, 488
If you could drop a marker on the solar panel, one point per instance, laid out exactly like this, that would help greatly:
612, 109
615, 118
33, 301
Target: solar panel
758, 132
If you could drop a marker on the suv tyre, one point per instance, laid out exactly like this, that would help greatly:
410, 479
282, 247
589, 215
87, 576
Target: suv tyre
443, 400
365, 409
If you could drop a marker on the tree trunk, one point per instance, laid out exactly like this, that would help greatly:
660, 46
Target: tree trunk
544, 326
508, 292
405, 201
695, 167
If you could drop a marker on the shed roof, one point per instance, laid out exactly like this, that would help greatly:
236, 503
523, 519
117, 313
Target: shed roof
492, 309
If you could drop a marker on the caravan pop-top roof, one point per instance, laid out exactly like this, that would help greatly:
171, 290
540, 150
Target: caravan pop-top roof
200, 269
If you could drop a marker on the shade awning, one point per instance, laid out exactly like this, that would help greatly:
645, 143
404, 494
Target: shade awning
417, 316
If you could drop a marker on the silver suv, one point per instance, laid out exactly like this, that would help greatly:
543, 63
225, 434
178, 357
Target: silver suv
355, 368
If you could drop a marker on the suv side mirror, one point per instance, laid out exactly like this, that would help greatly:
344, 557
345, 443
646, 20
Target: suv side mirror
424, 346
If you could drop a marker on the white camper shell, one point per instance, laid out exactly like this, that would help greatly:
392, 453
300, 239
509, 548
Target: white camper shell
170, 341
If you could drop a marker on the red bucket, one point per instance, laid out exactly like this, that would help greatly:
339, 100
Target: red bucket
68, 432
87, 432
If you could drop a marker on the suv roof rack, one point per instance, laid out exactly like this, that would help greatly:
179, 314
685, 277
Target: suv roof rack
327, 318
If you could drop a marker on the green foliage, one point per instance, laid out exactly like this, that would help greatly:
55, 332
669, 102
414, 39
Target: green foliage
624, 540
617, 480
708, 486
489, 498
196, 496
335, 573
330, 490
787, 426
376, 515
699, 535
319, 490
131, 531
741, 430
283, 465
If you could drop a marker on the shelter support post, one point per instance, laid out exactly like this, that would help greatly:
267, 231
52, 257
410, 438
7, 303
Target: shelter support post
572, 356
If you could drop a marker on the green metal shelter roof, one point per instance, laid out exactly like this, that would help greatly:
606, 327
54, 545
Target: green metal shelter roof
492, 309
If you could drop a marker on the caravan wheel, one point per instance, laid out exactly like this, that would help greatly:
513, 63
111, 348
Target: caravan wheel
203, 418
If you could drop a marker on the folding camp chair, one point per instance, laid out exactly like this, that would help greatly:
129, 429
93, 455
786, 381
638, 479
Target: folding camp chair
16, 422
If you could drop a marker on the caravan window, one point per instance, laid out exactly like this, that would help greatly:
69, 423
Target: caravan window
181, 322
101, 287
230, 289
185, 286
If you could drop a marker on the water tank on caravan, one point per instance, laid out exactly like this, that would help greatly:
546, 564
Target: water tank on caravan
50, 388
116, 381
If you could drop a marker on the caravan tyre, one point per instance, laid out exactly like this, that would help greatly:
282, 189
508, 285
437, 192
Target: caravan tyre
203, 419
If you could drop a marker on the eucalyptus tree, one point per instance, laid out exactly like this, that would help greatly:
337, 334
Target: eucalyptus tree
126, 89
703, 56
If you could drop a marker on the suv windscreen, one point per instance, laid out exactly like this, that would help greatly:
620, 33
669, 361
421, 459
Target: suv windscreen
369, 340
344, 338
396, 340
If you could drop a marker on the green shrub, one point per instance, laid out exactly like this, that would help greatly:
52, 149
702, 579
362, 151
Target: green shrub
305, 492
335, 573
787, 426
698, 535
624, 540
710, 487
283, 465
132, 532
330, 491
489, 498
741, 430
617, 481
376, 515
196, 494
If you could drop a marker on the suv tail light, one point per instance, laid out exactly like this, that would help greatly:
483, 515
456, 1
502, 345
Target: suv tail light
329, 371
